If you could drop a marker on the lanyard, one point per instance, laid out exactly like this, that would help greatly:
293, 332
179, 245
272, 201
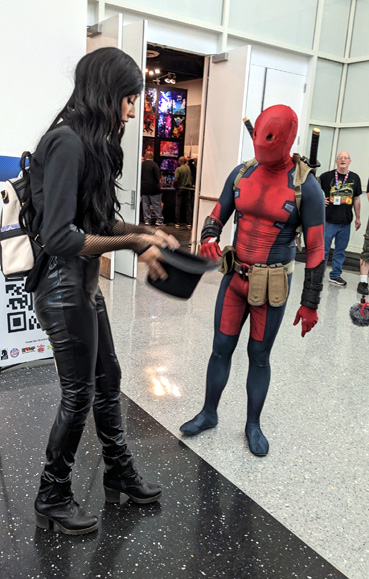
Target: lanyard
344, 181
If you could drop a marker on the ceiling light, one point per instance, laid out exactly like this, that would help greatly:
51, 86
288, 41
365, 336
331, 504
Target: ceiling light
170, 78
152, 53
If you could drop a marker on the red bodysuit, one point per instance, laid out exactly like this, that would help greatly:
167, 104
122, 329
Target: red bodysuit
267, 218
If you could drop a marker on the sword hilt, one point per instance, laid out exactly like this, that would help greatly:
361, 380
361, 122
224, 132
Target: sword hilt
248, 125
313, 157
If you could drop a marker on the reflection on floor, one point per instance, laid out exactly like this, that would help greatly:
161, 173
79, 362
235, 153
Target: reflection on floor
203, 526
299, 512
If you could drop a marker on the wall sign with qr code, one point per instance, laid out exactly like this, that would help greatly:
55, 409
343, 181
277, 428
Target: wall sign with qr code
21, 337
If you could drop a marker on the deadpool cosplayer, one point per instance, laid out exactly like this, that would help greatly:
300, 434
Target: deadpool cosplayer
258, 274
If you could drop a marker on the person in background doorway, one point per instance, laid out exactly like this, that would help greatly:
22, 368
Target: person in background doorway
74, 174
362, 287
150, 190
342, 190
192, 163
183, 184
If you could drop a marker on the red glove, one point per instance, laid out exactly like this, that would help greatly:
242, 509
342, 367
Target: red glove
308, 317
210, 249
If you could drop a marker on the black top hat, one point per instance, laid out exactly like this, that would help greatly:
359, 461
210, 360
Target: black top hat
184, 272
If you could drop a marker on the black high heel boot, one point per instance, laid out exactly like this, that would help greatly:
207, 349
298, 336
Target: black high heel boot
138, 491
55, 508
121, 476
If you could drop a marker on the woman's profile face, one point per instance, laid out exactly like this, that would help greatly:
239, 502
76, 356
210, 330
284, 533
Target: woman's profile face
128, 109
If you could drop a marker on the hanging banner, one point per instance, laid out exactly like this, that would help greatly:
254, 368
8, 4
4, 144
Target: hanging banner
21, 337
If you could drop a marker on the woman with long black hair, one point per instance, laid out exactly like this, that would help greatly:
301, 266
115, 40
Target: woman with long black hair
73, 181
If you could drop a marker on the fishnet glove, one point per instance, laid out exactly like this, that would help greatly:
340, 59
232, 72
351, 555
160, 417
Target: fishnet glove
126, 236
121, 228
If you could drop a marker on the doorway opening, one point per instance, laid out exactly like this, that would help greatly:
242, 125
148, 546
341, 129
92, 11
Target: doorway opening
171, 128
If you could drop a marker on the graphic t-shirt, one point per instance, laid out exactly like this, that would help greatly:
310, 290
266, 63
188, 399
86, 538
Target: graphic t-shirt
341, 195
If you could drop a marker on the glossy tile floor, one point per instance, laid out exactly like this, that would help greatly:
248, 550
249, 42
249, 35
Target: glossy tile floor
302, 511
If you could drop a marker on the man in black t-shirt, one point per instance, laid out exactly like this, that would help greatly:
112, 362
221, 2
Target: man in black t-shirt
150, 190
342, 190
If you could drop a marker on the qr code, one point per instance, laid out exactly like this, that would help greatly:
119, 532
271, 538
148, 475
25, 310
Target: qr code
19, 307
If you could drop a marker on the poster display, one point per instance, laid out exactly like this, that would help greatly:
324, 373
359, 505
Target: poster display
150, 100
169, 149
178, 127
179, 102
165, 101
147, 146
21, 337
149, 125
165, 126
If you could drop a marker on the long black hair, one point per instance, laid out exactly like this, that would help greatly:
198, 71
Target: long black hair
102, 79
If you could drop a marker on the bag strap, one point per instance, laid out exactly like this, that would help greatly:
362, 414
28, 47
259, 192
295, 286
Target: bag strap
302, 171
25, 161
245, 166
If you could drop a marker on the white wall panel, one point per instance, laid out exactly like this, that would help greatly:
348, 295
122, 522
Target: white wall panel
360, 36
177, 35
334, 26
288, 22
356, 142
274, 57
206, 10
40, 44
356, 101
326, 90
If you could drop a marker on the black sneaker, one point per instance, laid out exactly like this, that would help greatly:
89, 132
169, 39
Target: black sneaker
363, 288
338, 281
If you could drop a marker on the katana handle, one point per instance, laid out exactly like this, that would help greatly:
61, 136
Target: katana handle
248, 125
313, 158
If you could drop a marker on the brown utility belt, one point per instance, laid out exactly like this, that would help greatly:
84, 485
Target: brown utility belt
267, 283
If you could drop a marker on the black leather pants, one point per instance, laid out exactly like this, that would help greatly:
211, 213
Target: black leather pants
72, 311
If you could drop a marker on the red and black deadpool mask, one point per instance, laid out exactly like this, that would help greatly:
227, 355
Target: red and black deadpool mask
274, 133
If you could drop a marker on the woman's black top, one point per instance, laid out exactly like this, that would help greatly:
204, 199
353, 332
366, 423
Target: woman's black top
56, 174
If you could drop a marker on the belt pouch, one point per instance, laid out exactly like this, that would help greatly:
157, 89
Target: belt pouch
258, 286
228, 259
277, 286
